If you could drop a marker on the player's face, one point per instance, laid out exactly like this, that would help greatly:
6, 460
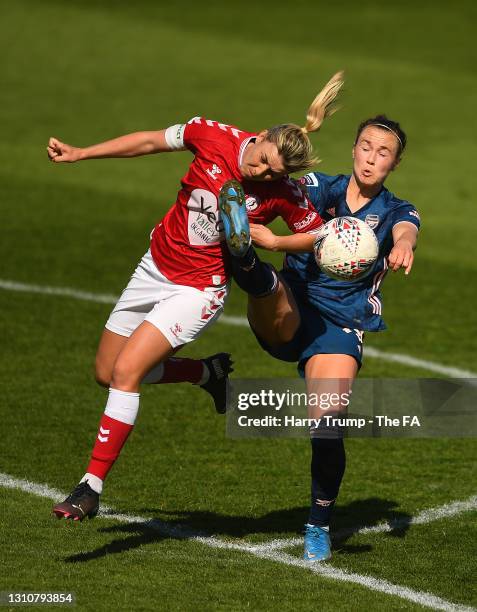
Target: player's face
261, 161
375, 154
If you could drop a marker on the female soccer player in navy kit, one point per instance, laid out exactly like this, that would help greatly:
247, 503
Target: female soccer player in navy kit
305, 316
180, 285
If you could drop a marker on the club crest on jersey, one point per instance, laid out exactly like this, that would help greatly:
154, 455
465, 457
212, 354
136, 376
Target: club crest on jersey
372, 221
331, 211
251, 202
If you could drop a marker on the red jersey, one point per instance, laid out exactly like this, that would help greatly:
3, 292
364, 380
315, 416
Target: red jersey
188, 245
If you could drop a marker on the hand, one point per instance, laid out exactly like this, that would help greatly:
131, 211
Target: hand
401, 256
60, 152
263, 237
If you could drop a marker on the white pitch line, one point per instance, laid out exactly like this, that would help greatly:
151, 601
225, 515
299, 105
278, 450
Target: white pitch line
422, 364
41, 490
101, 298
106, 298
375, 584
425, 516
323, 569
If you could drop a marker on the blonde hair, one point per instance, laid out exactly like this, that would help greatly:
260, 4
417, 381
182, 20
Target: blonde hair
292, 141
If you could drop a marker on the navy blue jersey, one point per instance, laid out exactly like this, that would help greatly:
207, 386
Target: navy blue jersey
356, 304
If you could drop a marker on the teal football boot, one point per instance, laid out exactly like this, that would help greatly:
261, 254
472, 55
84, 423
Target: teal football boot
317, 544
233, 213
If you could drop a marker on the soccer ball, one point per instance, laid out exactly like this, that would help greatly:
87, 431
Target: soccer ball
346, 248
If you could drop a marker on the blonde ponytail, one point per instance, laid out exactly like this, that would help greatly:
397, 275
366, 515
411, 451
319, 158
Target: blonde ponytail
322, 106
292, 141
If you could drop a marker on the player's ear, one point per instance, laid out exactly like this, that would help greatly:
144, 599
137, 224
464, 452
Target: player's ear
396, 163
261, 136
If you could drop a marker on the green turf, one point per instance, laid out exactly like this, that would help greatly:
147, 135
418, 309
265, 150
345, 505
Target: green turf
111, 566
89, 71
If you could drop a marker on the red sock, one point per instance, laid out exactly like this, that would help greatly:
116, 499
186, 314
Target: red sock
182, 369
111, 437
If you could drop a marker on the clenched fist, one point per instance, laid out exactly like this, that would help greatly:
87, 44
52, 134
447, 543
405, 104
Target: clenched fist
61, 152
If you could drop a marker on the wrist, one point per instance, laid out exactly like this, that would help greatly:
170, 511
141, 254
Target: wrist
404, 241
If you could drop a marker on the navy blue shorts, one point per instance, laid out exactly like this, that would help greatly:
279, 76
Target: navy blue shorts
316, 335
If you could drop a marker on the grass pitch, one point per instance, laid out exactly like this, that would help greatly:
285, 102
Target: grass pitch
86, 72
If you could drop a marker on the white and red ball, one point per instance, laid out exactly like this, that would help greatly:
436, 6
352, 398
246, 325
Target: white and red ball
346, 248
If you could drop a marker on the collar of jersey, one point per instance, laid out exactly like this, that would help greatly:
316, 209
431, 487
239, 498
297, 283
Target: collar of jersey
242, 148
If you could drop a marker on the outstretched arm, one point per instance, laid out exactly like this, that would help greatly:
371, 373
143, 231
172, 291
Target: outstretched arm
130, 145
264, 238
402, 253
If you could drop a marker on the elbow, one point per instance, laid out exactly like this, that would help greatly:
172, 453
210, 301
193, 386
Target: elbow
149, 147
149, 143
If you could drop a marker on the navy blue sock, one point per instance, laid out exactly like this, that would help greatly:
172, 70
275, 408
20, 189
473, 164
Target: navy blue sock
254, 276
328, 461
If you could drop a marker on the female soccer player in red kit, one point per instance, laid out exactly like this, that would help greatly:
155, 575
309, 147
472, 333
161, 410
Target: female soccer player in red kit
180, 285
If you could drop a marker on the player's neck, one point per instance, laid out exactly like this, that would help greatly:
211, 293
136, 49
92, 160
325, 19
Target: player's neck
358, 195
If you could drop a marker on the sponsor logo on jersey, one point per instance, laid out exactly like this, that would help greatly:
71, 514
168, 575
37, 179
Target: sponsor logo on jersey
414, 213
252, 202
204, 225
306, 221
372, 221
212, 172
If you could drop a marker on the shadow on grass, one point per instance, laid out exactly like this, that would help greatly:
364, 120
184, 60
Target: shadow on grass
185, 525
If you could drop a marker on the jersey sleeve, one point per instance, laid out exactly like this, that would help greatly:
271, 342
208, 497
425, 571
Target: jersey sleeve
199, 131
292, 204
300, 219
195, 131
318, 186
405, 211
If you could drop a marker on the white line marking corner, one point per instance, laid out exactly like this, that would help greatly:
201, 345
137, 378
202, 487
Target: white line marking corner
323, 569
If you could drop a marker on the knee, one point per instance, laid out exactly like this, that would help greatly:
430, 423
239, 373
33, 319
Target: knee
277, 327
124, 377
102, 374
